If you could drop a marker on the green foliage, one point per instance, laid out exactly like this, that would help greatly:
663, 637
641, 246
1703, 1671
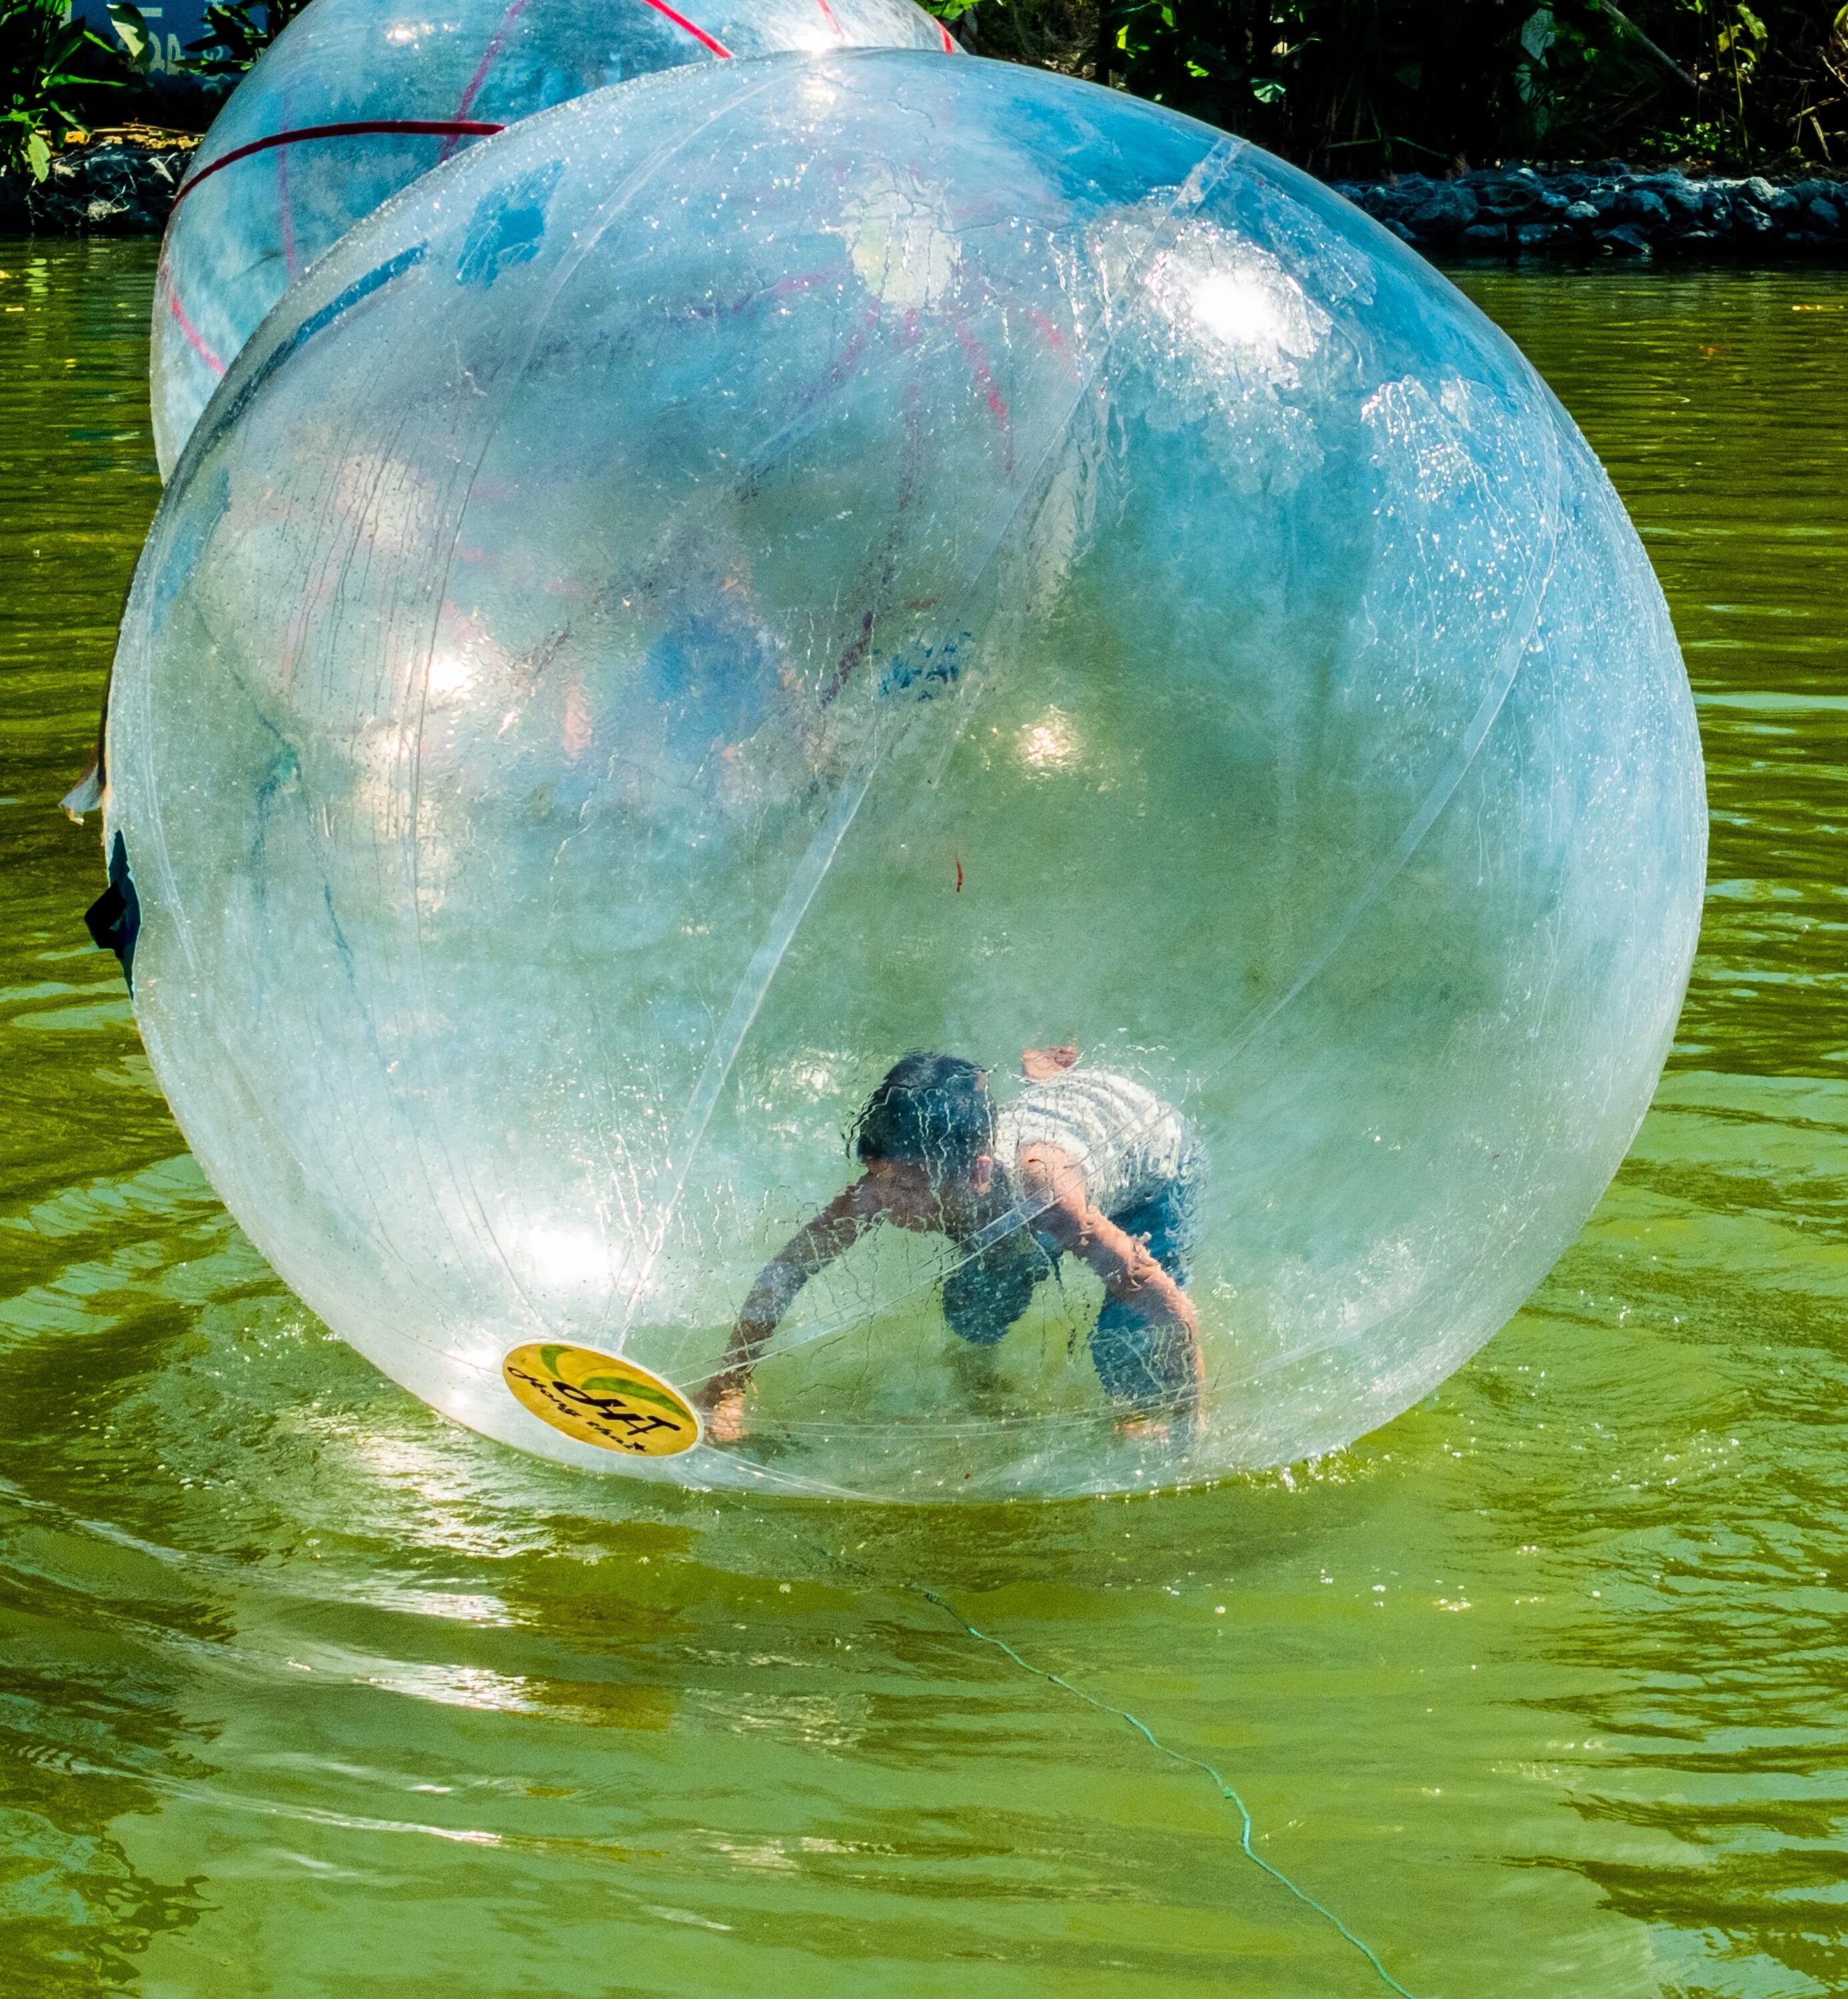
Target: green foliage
48, 68
1389, 82
139, 45
1366, 86
238, 31
1048, 34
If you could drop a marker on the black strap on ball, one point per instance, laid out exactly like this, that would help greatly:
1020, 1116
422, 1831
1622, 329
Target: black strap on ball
114, 919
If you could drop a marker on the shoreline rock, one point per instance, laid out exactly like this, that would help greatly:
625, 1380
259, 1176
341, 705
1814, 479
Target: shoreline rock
1580, 214
119, 185
109, 186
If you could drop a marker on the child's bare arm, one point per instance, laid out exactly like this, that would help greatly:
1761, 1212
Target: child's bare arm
1129, 1272
1122, 1262
809, 1250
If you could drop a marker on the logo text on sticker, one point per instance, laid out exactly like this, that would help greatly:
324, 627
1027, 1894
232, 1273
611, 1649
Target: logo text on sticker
601, 1399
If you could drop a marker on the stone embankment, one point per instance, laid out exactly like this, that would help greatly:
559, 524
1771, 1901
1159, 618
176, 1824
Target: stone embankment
1582, 213
109, 187
125, 187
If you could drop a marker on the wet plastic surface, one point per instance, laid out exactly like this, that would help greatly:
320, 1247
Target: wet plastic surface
247, 226
870, 554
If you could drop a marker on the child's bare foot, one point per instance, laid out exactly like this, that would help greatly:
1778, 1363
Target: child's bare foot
1142, 1429
1041, 1065
724, 1417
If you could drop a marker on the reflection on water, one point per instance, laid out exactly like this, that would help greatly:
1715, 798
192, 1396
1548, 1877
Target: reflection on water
302, 1691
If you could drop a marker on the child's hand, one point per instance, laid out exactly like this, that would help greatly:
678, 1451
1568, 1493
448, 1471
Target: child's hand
724, 1417
1186, 1425
1041, 1065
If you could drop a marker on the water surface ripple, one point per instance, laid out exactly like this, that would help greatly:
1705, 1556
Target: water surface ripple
1543, 1687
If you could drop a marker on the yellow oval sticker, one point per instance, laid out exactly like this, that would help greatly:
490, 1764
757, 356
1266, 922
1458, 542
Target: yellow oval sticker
602, 1399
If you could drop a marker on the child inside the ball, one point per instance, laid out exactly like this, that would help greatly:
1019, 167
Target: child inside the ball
1082, 1161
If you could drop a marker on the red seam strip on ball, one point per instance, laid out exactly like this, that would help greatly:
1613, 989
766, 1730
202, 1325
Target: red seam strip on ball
461, 128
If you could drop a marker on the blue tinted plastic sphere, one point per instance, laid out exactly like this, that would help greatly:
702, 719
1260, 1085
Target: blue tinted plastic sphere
785, 564
254, 215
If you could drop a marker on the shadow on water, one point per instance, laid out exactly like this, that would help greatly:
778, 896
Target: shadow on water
1540, 1687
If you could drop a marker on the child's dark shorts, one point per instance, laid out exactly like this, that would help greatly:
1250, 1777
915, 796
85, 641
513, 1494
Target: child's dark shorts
1136, 1361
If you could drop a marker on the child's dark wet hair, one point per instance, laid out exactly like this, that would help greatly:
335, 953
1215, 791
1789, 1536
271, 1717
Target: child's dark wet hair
933, 1112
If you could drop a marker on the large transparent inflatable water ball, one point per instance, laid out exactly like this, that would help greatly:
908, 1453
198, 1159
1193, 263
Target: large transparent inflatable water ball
895, 777
357, 99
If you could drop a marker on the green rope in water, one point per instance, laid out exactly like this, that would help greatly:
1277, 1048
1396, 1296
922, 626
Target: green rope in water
1193, 1762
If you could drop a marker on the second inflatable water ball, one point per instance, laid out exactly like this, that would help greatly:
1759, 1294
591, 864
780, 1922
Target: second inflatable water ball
358, 98
882, 559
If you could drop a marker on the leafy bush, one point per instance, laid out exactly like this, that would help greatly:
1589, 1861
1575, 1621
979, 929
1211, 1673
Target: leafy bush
1365, 86
49, 68
235, 35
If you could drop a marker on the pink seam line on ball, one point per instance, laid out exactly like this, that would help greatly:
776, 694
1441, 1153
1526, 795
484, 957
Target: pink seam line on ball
519, 7
496, 43
195, 339
290, 259
699, 34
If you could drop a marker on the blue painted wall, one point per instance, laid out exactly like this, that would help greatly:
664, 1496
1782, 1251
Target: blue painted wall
173, 24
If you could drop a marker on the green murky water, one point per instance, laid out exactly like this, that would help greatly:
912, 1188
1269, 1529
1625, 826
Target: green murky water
1543, 1688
